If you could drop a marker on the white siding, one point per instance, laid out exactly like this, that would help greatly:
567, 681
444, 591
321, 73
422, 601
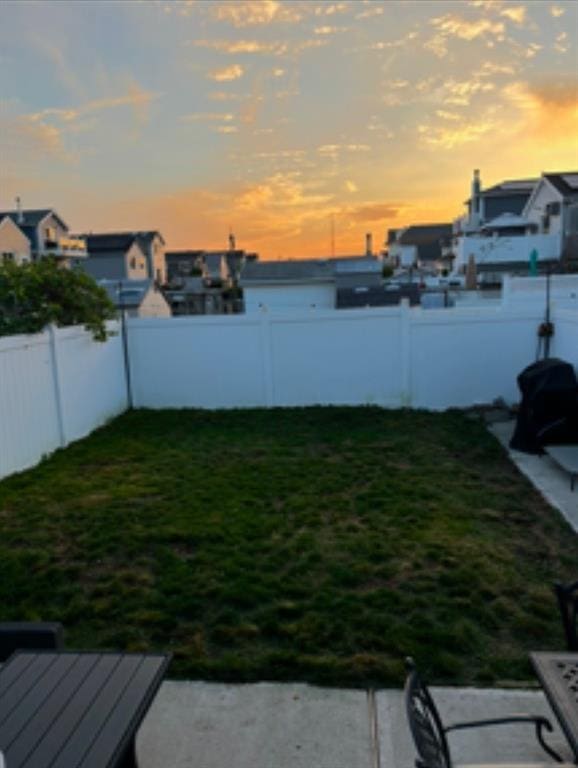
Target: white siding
13, 242
289, 297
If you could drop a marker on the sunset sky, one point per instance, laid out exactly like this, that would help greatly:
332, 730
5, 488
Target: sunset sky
275, 117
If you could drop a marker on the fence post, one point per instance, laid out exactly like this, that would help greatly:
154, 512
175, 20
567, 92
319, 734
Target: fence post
55, 366
267, 358
406, 378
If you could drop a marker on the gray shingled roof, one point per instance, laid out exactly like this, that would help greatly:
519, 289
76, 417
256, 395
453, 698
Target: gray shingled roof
32, 217
113, 241
118, 241
510, 187
558, 182
298, 271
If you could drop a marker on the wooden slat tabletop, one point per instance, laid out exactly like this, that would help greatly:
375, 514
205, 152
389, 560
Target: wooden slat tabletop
74, 710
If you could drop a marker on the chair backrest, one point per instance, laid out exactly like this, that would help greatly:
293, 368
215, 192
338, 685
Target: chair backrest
425, 723
26, 635
568, 601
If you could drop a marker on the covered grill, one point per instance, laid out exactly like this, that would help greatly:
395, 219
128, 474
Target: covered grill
549, 408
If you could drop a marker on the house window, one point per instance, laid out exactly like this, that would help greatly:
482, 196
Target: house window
133, 263
7, 256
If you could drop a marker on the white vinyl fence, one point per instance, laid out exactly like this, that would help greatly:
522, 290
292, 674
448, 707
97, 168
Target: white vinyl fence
58, 386
55, 387
391, 357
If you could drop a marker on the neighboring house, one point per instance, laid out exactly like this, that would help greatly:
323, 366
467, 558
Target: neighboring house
553, 210
182, 264
485, 205
359, 282
152, 244
109, 245
420, 246
115, 257
192, 296
48, 235
215, 269
288, 285
138, 298
546, 228
14, 245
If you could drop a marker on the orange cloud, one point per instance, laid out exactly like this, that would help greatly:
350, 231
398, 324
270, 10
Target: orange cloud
467, 30
548, 107
375, 211
243, 46
249, 13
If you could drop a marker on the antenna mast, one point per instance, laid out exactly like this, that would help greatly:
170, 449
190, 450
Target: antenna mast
332, 235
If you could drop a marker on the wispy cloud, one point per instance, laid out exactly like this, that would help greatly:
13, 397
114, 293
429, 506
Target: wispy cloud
226, 74
449, 137
515, 13
136, 97
375, 211
195, 117
331, 9
251, 13
377, 10
243, 46
452, 25
328, 30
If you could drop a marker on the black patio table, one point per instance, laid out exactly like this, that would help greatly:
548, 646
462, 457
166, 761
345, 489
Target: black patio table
558, 674
69, 709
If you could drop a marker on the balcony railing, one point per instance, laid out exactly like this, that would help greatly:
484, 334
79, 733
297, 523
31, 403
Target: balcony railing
71, 247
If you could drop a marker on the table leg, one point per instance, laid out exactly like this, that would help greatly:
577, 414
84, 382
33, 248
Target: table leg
129, 758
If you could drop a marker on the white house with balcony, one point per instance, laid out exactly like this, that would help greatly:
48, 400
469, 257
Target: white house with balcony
48, 235
544, 229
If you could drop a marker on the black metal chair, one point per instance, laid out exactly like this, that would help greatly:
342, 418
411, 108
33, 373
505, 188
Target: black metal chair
568, 602
429, 733
19, 635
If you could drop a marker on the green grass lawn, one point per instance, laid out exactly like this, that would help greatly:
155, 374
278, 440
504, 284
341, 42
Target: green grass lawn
321, 544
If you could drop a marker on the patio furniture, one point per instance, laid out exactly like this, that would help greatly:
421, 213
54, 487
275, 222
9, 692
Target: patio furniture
69, 709
558, 674
16, 635
566, 456
430, 735
567, 595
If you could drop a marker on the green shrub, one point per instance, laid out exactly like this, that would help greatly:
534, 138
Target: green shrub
35, 294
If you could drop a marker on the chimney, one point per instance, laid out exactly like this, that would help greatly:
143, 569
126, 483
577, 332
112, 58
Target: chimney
19, 215
231, 241
368, 244
476, 189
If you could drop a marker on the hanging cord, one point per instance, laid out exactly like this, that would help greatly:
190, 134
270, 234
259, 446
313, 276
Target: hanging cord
545, 329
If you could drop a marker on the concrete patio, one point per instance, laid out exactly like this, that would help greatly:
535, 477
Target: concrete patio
210, 725
552, 481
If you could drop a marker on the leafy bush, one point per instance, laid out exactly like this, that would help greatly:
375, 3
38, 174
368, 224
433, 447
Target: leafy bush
35, 294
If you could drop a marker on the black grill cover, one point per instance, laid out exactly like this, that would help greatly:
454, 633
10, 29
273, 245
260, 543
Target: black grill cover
548, 412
